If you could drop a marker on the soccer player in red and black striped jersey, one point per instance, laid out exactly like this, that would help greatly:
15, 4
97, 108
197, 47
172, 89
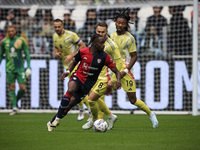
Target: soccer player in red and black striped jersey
92, 59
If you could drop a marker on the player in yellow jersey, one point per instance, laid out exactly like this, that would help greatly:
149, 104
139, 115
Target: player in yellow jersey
67, 43
127, 46
105, 82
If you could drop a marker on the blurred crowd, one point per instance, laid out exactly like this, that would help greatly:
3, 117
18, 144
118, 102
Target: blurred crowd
156, 36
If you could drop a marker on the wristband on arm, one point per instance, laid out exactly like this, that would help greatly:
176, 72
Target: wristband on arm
68, 71
126, 70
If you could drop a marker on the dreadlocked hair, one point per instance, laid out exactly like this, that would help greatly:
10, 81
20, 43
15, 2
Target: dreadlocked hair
93, 37
125, 15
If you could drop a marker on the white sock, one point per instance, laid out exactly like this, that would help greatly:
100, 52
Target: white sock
81, 108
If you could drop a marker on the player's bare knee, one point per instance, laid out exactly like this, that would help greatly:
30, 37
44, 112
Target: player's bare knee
22, 87
132, 98
132, 101
70, 90
72, 103
12, 86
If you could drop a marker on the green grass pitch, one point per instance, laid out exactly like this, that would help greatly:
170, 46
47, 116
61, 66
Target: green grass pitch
131, 132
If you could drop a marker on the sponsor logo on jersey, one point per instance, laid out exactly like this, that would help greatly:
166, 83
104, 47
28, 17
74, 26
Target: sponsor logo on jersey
93, 68
88, 73
85, 58
98, 60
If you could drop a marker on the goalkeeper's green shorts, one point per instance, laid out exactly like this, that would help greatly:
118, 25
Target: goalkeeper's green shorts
11, 77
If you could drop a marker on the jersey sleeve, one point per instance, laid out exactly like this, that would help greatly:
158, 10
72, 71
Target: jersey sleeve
27, 54
2, 51
131, 45
112, 49
77, 57
109, 62
75, 38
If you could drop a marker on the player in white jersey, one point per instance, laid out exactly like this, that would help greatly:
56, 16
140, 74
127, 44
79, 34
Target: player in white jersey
127, 46
67, 43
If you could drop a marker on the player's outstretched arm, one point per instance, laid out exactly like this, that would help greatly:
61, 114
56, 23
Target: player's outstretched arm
69, 58
130, 65
119, 63
27, 54
116, 71
64, 75
28, 59
133, 60
72, 65
57, 53
81, 45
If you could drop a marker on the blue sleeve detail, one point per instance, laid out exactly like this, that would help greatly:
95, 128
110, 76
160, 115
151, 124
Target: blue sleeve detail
78, 41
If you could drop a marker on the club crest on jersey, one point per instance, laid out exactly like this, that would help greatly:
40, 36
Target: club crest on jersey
98, 60
17, 44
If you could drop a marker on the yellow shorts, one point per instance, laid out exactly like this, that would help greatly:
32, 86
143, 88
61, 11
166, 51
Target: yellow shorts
100, 88
128, 83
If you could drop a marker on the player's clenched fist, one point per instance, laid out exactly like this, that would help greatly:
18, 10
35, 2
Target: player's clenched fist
58, 55
64, 75
118, 85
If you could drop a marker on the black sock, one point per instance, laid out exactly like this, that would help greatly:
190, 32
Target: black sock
53, 118
62, 111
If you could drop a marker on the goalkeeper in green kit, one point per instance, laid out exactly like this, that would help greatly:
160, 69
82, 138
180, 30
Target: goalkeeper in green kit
13, 47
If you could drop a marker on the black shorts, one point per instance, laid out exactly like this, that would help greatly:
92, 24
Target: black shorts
81, 91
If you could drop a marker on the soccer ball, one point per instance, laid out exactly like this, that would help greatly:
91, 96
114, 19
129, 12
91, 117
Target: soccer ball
100, 125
